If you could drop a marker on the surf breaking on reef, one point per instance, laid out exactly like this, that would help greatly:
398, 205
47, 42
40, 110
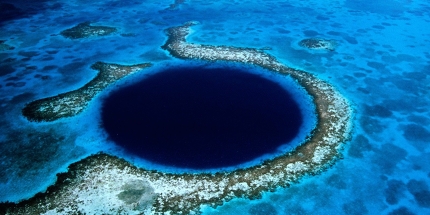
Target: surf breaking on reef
103, 183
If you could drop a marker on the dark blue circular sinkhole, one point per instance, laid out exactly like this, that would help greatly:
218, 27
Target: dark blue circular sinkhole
201, 118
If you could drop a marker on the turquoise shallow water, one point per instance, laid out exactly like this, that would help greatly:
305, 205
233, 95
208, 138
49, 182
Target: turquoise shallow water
381, 65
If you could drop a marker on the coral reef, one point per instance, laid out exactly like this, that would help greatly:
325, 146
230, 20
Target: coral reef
74, 102
4, 46
85, 29
100, 184
318, 44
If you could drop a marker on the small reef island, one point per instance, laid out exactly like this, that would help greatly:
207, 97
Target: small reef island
105, 184
318, 44
85, 30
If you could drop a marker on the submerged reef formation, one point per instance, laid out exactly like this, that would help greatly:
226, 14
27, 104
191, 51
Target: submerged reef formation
104, 184
85, 29
176, 4
318, 44
4, 46
73, 102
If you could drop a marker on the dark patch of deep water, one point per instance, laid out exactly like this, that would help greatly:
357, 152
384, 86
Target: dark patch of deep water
200, 118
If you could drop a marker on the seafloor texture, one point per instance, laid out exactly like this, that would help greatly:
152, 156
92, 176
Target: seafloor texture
85, 29
81, 189
380, 65
4, 46
74, 102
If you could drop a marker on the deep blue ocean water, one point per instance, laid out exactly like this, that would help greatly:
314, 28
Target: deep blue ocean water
381, 65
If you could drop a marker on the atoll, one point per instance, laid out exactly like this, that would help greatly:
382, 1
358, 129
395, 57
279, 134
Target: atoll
85, 29
318, 44
100, 184
73, 102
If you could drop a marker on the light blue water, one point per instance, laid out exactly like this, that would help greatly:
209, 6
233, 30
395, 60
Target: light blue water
381, 64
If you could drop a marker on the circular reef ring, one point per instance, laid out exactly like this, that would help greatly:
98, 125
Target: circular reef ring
103, 183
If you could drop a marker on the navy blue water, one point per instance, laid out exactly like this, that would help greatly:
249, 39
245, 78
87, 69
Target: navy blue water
200, 118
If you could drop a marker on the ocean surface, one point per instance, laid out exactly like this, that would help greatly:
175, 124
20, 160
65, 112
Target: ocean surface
381, 64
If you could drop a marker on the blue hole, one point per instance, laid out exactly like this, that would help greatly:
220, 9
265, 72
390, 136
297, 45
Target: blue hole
201, 118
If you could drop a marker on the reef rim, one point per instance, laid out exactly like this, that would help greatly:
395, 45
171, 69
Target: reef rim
94, 184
